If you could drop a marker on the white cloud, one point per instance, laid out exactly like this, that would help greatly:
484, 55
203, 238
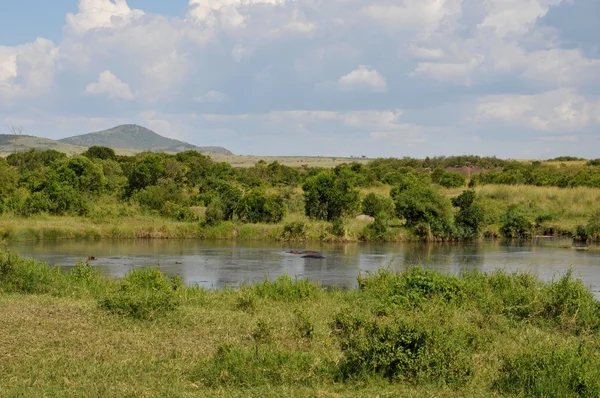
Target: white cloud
556, 111
422, 16
287, 67
95, 14
212, 96
514, 16
27, 71
108, 84
363, 78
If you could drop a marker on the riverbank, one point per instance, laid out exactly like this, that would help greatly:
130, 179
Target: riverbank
556, 212
45, 227
417, 334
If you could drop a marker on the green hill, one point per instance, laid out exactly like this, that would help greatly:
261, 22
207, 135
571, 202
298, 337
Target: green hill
11, 144
138, 138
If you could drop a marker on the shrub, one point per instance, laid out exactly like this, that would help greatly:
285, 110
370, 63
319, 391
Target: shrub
143, 294
304, 326
214, 212
28, 276
551, 372
410, 349
338, 228
424, 209
592, 229
373, 205
412, 286
285, 288
570, 305
258, 207
469, 219
378, 229
517, 223
294, 231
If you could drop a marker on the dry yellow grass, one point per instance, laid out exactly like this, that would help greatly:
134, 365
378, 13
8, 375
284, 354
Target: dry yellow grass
293, 161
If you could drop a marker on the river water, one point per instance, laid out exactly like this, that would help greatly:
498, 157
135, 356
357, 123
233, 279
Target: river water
216, 264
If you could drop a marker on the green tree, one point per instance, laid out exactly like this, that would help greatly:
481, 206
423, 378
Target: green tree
328, 197
424, 209
100, 152
145, 171
374, 204
258, 207
469, 218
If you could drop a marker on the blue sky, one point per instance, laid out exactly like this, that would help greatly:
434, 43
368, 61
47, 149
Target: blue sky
511, 78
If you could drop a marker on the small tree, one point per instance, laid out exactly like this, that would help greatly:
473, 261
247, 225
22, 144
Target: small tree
469, 218
328, 197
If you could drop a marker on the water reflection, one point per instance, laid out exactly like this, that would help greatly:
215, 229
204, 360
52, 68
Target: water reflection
222, 263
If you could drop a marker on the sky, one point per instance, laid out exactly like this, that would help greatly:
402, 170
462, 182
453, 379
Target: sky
376, 78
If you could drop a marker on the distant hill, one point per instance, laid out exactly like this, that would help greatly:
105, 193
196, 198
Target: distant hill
138, 138
9, 145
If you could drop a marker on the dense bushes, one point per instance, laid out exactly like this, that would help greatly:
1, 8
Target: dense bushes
191, 187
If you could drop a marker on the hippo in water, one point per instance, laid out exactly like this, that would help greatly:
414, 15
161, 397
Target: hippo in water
92, 258
313, 255
307, 253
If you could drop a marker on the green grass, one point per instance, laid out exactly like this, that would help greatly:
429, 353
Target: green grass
416, 334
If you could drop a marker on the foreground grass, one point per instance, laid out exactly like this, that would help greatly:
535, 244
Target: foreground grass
413, 334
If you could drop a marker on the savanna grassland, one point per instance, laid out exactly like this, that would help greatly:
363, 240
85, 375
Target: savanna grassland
417, 333
45, 194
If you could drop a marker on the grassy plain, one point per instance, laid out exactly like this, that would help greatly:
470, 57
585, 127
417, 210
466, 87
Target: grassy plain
414, 334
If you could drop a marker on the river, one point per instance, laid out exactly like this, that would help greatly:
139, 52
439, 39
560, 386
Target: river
216, 264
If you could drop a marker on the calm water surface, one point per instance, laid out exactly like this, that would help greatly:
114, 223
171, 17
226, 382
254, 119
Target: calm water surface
219, 264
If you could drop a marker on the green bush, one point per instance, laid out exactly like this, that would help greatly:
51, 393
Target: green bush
404, 349
551, 372
304, 326
424, 209
374, 204
337, 228
328, 197
413, 286
285, 288
294, 231
28, 276
469, 219
143, 294
214, 212
257, 207
517, 223
378, 229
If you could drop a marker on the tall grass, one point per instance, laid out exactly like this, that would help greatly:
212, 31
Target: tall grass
412, 333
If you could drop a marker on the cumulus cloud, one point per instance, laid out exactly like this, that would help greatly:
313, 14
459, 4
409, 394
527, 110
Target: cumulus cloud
363, 78
555, 111
27, 71
94, 14
108, 84
441, 72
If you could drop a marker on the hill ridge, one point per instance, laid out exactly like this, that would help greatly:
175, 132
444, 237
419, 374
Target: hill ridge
136, 137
